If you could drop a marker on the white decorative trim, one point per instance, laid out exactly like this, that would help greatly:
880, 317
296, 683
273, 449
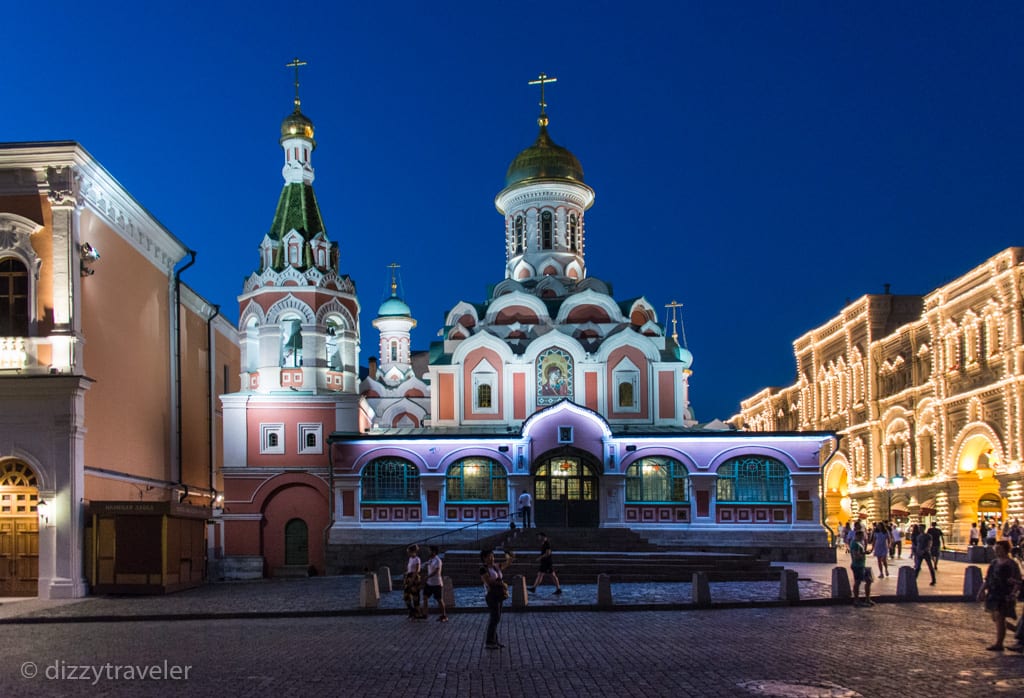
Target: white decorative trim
307, 430
266, 432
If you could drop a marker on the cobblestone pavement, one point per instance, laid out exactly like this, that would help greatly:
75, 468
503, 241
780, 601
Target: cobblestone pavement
928, 649
340, 596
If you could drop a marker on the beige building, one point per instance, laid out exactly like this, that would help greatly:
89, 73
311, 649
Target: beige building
927, 394
110, 368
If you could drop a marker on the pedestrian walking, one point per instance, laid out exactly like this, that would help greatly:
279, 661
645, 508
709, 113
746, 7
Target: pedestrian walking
999, 592
880, 548
412, 583
547, 567
922, 546
496, 591
860, 569
937, 538
897, 543
433, 587
526, 509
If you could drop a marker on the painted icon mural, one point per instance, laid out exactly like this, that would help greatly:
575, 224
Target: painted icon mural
554, 377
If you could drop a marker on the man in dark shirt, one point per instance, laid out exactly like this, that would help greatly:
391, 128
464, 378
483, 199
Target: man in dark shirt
546, 567
935, 533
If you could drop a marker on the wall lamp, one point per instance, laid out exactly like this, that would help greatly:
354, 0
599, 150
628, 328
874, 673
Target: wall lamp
89, 255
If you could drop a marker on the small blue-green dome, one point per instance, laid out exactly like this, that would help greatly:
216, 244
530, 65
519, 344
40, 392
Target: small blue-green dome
394, 307
684, 356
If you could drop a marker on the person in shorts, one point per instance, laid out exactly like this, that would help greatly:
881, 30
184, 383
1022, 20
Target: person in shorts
861, 571
434, 584
546, 565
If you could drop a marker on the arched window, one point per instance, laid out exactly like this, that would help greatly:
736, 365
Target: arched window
625, 394
394, 350
483, 396
13, 298
753, 479
291, 342
519, 234
574, 230
545, 230
476, 480
390, 480
657, 479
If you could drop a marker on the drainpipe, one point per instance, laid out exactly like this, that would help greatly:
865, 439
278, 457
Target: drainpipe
177, 357
821, 489
330, 497
211, 360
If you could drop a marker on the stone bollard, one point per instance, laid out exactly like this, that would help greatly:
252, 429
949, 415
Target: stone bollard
369, 594
448, 592
384, 579
701, 589
789, 586
841, 583
906, 585
604, 590
972, 582
518, 590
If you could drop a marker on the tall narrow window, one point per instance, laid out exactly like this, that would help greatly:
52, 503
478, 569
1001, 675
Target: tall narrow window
483, 396
574, 230
13, 298
291, 349
545, 230
394, 350
519, 234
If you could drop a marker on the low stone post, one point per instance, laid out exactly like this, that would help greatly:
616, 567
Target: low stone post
448, 592
369, 593
789, 586
906, 585
518, 589
701, 589
384, 579
604, 590
841, 583
973, 582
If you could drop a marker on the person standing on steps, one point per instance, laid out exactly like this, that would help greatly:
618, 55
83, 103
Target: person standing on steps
526, 509
547, 567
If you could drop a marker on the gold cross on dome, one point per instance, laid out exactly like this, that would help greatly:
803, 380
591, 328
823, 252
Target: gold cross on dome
296, 63
541, 80
394, 267
675, 305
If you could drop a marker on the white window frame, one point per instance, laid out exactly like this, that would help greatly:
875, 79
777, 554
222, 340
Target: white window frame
265, 431
626, 372
485, 374
304, 431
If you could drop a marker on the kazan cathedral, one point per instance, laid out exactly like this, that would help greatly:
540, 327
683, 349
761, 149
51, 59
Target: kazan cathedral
550, 386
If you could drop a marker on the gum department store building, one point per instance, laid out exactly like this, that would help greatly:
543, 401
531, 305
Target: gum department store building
927, 395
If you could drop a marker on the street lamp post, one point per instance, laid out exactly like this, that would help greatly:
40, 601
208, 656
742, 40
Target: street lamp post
893, 482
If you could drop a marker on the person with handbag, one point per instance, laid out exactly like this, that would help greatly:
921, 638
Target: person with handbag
999, 592
496, 592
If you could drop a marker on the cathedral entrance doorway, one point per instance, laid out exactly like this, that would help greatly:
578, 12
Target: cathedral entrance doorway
19, 530
566, 490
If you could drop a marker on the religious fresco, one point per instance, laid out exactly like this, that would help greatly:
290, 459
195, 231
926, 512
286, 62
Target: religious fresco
554, 377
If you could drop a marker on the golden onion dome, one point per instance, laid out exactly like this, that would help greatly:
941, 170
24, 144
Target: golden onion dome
295, 125
544, 160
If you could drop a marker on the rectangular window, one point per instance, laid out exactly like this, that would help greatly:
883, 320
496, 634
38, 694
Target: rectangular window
311, 438
272, 439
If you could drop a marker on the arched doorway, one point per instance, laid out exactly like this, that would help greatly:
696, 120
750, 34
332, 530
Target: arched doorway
19, 530
565, 493
296, 543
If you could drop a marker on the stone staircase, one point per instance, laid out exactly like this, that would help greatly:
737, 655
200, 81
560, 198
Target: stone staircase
582, 554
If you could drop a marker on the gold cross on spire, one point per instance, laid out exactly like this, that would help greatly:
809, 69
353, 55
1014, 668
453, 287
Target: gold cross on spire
394, 267
674, 306
296, 63
541, 80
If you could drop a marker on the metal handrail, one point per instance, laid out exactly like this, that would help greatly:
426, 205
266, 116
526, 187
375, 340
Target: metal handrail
388, 551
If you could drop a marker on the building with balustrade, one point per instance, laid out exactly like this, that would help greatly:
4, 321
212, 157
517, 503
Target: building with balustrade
927, 395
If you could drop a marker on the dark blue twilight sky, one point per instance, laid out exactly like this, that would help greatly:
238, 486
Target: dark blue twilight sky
761, 162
